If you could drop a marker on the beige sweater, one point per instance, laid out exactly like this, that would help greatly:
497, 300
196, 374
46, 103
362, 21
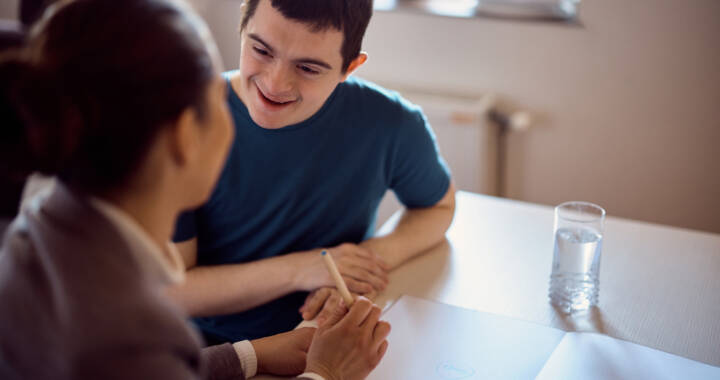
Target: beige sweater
76, 302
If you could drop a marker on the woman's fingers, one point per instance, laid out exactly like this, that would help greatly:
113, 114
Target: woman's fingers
359, 311
381, 332
372, 319
380, 353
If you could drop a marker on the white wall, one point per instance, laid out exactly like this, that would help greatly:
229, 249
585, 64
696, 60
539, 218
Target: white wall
631, 101
9, 9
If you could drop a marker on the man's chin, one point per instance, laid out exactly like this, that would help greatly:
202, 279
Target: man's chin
269, 122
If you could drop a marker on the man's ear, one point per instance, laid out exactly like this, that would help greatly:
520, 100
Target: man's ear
183, 138
355, 64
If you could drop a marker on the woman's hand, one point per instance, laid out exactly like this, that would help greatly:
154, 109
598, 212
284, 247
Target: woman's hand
283, 354
321, 303
349, 346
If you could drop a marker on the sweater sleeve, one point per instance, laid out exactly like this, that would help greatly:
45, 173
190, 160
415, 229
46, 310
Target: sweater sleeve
222, 362
139, 364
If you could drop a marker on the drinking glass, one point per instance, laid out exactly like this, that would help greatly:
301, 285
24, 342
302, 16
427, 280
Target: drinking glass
574, 281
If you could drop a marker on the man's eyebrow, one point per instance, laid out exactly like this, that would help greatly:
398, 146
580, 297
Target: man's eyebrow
311, 61
260, 40
315, 62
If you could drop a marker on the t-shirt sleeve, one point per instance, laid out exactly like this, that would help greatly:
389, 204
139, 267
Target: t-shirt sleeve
419, 176
185, 226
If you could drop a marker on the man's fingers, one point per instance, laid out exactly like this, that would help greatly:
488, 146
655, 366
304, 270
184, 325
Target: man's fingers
371, 295
374, 261
377, 258
353, 249
335, 313
364, 270
314, 302
332, 303
371, 267
371, 262
381, 261
364, 276
356, 286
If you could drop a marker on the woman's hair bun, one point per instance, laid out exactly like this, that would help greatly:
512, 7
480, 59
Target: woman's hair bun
15, 160
36, 116
88, 94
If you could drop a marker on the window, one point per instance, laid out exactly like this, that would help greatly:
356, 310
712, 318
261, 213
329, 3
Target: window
540, 10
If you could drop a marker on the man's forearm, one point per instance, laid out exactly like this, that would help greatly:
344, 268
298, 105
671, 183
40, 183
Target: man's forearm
417, 231
232, 288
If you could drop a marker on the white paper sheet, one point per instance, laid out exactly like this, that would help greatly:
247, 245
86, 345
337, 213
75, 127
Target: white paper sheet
434, 341
594, 356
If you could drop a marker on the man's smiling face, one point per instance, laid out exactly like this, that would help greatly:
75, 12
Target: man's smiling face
287, 69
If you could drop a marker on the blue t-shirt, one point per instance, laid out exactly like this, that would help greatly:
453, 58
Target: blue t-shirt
314, 184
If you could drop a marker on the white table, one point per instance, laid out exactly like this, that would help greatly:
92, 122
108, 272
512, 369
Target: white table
659, 285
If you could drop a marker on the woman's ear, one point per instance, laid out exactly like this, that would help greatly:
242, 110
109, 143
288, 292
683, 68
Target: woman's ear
183, 138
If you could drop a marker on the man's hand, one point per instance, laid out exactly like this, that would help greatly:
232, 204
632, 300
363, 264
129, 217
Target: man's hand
283, 354
323, 302
363, 270
349, 347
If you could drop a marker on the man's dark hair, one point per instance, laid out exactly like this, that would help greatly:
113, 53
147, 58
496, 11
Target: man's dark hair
348, 16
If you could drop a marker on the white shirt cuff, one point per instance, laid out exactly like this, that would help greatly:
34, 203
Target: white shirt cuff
312, 375
248, 359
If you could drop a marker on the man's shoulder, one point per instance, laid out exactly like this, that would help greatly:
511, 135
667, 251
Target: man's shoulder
230, 74
236, 106
380, 100
355, 86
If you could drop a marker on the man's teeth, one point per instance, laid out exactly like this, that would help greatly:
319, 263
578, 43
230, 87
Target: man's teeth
275, 101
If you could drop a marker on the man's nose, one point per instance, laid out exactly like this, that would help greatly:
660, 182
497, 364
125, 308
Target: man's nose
279, 80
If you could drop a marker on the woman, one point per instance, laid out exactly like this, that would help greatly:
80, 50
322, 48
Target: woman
122, 101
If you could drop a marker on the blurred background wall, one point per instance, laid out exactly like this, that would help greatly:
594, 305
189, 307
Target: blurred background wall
626, 106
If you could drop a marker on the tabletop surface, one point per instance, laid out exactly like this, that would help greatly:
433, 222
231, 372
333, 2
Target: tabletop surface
659, 285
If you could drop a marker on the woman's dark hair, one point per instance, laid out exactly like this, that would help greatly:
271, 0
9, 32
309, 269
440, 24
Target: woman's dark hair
349, 16
95, 84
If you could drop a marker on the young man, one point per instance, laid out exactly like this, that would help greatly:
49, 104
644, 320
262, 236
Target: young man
314, 153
